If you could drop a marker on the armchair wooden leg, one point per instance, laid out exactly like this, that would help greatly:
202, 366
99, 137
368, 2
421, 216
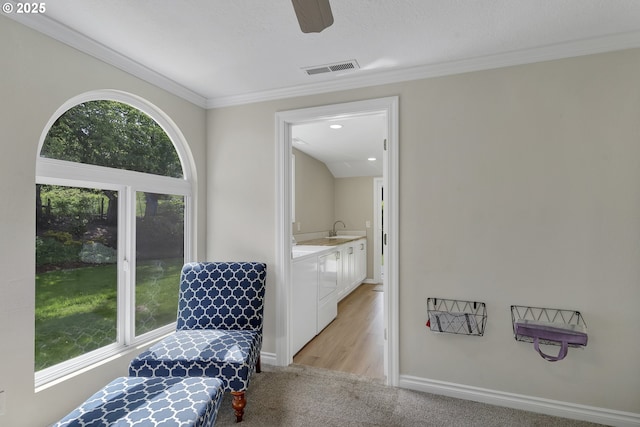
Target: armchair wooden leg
258, 366
238, 403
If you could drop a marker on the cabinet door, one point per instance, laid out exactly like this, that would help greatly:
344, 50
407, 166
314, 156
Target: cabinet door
361, 260
327, 289
342, 285
351, 267
327, 274
305, 302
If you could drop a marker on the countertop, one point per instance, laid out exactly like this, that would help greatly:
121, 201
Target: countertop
318, 246
330, 241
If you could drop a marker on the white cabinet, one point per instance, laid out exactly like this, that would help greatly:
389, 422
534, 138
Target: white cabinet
344, 279
327, 289
320, 280
360, 249
305, 302
352, 266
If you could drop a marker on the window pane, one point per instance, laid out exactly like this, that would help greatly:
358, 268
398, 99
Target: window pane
76, 272
112, 134
160, 256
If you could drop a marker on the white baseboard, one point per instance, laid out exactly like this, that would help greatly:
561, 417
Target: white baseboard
527, 403
268, 358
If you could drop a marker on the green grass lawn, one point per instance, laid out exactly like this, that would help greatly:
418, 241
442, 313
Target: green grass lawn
76, 308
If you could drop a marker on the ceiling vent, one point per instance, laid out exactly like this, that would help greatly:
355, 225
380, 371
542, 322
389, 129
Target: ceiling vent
332, 68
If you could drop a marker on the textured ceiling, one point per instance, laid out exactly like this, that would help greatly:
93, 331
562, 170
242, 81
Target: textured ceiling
227, 52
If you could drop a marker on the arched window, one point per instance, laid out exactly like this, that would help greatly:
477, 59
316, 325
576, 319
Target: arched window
113, 203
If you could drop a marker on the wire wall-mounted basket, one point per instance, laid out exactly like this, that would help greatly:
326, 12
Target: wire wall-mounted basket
456, 316
549, 326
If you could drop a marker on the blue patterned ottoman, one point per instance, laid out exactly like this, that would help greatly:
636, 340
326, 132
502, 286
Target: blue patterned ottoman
149, 402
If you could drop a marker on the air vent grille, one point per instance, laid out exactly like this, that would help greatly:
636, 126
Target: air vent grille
319, 70
344, 66
332, 68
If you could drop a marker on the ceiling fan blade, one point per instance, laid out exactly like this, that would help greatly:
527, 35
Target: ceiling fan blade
313, 15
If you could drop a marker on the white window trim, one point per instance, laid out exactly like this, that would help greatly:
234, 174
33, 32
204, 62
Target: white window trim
127, 183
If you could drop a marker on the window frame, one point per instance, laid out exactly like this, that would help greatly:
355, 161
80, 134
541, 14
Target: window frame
127, 183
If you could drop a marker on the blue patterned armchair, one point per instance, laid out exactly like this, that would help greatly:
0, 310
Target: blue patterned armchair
219, 328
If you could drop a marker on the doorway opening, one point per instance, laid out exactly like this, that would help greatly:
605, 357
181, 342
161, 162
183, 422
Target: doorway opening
388, 107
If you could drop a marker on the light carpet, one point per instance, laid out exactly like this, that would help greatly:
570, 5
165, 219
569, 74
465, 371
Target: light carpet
304, 396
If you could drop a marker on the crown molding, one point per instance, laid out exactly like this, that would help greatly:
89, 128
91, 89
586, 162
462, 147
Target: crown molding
76, 40
66, 35
546, 53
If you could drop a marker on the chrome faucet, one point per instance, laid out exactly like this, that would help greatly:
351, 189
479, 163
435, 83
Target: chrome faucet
333, 233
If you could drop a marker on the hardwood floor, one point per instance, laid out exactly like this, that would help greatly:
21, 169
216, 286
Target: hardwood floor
353, 342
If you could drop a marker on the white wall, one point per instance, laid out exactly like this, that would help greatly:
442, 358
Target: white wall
37, 75
521, 186
314, 196
354, 206
517, 186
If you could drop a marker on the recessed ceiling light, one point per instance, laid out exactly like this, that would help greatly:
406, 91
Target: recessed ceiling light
335, 126
372, 159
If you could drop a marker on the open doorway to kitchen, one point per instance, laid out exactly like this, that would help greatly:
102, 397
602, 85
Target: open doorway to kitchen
285, 121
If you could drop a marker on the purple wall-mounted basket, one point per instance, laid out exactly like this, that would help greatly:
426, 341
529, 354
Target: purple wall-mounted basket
548, 326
